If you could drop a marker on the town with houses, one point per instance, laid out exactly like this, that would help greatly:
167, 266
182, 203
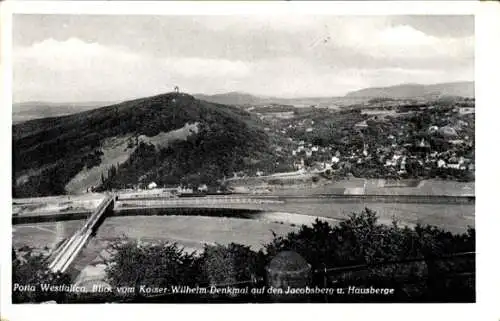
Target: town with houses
390, 139
398, 139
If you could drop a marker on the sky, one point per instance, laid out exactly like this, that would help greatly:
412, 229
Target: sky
81, 58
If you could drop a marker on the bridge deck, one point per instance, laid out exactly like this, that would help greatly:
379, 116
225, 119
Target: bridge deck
68, 251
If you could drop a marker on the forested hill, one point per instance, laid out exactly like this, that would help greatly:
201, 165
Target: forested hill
48, 153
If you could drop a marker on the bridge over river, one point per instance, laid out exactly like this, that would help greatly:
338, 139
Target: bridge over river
451, 213
440, 207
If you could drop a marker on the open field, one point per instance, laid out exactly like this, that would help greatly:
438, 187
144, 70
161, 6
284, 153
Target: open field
378, 112
164, 139
363, 186
115, 151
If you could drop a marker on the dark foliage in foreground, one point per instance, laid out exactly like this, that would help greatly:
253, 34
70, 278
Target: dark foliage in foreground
388, 254
30, 273
157, 265
362, 240
419, 263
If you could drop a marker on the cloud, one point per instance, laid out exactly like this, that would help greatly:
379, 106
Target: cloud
78, 70
199, 67
403, 42
405, 35
457, 26
276, 56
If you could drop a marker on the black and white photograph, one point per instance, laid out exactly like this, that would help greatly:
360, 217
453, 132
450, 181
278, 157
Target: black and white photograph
243, 158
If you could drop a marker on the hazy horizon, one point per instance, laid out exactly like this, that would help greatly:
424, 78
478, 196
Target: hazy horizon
89, 58
221, 93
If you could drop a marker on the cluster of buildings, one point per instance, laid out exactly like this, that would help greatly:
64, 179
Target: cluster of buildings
401, 148
398, 147
391, 142
152, 189
309, 155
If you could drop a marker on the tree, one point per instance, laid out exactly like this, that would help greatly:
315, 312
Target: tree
30, 269
161, 264
231, 264
362, 240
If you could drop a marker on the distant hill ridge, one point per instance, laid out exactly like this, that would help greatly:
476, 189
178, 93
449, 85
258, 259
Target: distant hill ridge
463, 89
245, 99
41, 109
232, 98
34, 110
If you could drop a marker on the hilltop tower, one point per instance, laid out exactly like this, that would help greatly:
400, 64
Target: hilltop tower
176, 89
